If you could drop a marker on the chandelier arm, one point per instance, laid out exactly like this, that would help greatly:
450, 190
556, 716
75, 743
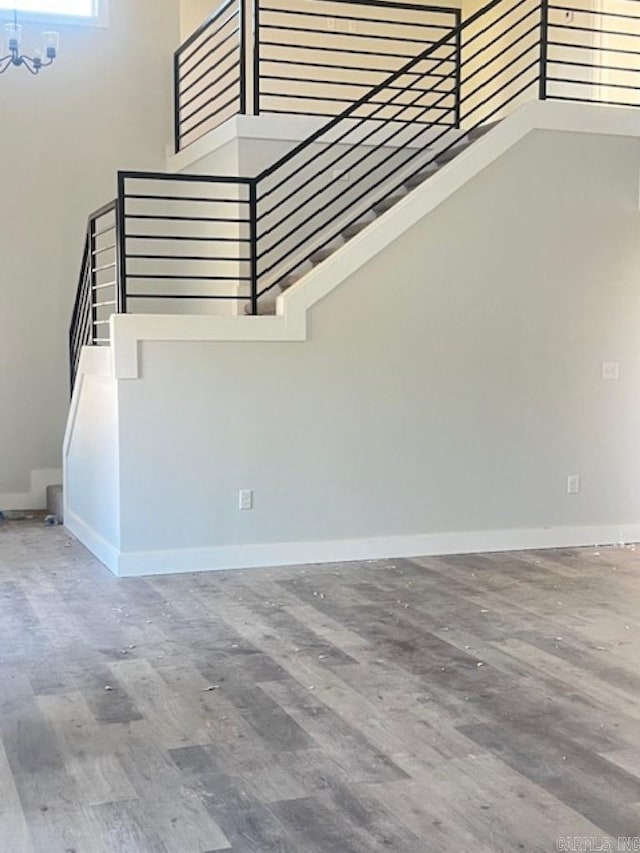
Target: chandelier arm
7, 61
30, 65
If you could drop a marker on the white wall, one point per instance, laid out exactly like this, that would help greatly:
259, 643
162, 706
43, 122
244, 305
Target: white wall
448, 387
104, 105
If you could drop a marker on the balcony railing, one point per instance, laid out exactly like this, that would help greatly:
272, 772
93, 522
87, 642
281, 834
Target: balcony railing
306, 57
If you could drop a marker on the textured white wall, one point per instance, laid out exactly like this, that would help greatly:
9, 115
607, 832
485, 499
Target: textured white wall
104, 105
450, 385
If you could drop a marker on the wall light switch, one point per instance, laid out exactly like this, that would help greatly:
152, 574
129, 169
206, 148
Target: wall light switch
573, 484
245, 499
610, 370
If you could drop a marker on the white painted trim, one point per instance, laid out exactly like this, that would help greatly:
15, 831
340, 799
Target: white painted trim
99, 547
288, 128
36, 497
139, 563
128, 331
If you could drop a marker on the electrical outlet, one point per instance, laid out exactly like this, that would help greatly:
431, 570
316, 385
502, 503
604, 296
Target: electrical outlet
245, 499
573, 484
610, 370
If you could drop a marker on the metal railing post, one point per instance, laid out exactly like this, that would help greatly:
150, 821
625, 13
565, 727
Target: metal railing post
121, 248
256, 57
458, 83
176, 101
242, 12
92, 280
253, 244
544, 48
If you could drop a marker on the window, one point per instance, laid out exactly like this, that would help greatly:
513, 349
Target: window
58, 11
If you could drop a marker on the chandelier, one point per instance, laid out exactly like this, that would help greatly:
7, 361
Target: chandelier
40, 58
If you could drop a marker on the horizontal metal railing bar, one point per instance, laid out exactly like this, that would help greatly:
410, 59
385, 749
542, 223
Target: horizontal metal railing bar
183, 91
185, 60
215, 258
576, 64
104, 267
406, 6
211, 53
303, 63
157, 217
396, 75
102, 340
593, 30
205, 26
391, 4
212, 100
106, 230
102, 322
351, 83
323, 114
338, 100
183, 238
185, 132
104, 286
350, 51
606, 85
593, 47
599, 13
333, 143
332, 33
159, 277
181, 296
596, 100
188, 198
97, 252
104, 304
182, 178
183, 104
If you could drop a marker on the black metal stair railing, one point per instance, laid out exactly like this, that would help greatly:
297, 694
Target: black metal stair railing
100, 290
279, 56
209, 74
186, 243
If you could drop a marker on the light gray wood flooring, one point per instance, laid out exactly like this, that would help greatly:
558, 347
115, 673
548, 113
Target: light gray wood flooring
473, 703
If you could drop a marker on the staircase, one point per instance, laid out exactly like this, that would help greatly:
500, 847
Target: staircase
183, 243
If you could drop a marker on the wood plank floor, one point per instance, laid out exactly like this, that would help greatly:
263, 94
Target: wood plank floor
455, 704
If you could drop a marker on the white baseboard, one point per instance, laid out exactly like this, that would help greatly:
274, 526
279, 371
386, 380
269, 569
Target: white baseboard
139, 563
36, 497
97, 544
